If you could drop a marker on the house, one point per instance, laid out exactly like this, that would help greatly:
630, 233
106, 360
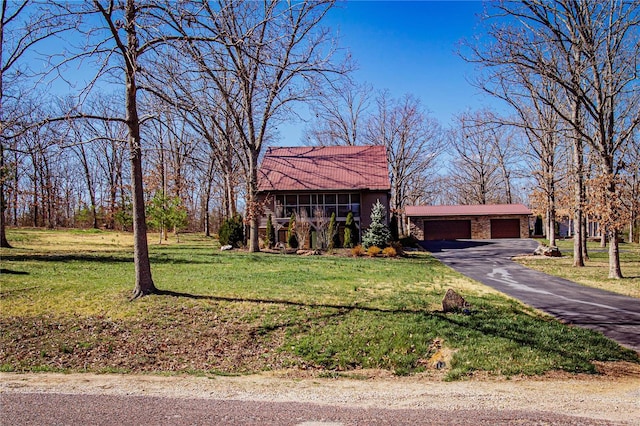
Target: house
322, 180
486, 221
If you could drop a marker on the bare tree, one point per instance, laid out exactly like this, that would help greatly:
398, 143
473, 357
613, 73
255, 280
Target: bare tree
268, 56
199, 103
631, 174
23, 25
302, 226
413, 141
475, 173
590, 50
338, 114
129, 33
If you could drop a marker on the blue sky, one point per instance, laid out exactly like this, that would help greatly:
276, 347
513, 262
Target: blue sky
410, 47
405, 47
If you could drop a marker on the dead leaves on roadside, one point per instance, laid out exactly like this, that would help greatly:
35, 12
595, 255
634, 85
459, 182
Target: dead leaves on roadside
180, 339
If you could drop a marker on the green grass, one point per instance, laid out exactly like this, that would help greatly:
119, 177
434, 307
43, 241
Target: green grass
596, 270
64, 307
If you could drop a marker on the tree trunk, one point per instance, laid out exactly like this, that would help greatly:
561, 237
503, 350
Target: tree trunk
90, 188
3, 205
252, 207
551, 213
551, 226
578, 254
144, 282
614, 252
585, 234
614, 257
207, 196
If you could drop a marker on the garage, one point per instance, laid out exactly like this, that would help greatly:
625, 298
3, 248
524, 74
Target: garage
505, 228
447, 229
468, 222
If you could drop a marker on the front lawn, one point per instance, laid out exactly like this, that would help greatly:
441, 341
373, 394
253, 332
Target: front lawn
64, 307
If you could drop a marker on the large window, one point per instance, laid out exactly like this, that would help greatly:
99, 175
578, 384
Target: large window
340, 204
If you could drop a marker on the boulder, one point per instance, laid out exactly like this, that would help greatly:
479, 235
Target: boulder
549, 251
453, 302
308, 252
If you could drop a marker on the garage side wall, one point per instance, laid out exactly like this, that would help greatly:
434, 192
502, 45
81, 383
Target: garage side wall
480, 225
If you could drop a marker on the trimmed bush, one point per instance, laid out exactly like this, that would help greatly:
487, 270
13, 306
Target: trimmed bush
232, 231
292, 240
269, 239
389, 252
373, 251
334, 238
350, 232
357, 251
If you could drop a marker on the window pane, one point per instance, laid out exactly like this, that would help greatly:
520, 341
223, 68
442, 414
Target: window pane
343, 198
280, 199
355, 208
329, 198
314, 199
279, 208
343, 211
304, 199
355, 198
329, 209
292, 200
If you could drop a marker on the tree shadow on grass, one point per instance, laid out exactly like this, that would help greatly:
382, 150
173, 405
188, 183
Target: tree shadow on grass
289, 303
12, 272
101, 257
536, 336
529, 334
68, 258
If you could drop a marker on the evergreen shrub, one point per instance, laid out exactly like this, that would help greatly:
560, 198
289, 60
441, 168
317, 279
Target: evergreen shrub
269, 239
378, 233
232, 231
292, 240
350, 232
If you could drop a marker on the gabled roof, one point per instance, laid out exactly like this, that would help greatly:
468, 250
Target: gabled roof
324, 168
468, 210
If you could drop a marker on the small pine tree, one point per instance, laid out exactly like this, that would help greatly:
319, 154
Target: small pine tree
270, 235
378, 233
334, 239
292, 240
350, 232
232, 231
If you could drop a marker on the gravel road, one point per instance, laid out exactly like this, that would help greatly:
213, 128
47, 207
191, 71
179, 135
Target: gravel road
282, 399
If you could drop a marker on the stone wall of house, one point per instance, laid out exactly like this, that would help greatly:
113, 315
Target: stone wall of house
416, 227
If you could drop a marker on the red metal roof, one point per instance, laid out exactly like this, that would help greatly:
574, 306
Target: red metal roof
324, 168
468, 210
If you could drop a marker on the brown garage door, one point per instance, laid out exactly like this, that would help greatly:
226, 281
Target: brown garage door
505, 228
447, 229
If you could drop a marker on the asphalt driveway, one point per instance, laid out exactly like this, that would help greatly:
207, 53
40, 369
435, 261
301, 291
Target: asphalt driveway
489, 261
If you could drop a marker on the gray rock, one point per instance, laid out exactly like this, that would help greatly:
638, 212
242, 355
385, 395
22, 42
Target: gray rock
453, 302
549, 251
